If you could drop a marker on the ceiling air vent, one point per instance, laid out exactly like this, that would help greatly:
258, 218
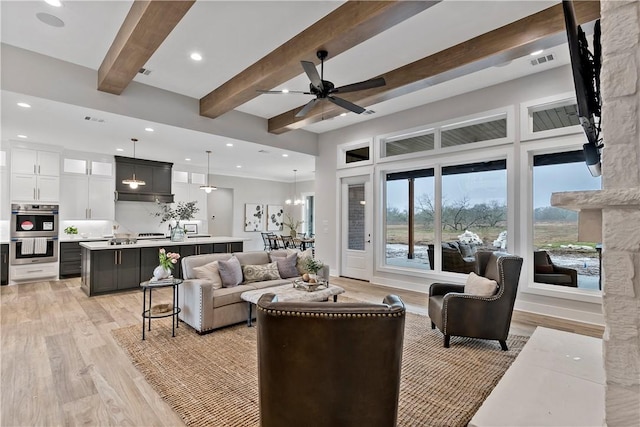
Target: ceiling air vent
144, 71
93, 119
543, 59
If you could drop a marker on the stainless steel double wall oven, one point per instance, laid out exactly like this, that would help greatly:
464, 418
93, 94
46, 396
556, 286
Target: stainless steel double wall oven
34, 234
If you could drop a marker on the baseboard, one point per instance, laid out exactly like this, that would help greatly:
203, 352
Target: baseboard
554, 322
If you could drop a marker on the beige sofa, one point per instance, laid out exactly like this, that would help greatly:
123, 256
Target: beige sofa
205, 308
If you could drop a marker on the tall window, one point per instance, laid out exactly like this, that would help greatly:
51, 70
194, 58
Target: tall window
474, 212
560, 258
410, 218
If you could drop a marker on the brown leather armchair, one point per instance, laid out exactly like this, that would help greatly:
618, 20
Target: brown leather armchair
545, 271
326, 364
452, 258
459, 314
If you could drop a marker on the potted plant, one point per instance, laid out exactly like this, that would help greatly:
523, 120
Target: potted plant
71, 230
184, 211
313, 265
167, 261
292, 225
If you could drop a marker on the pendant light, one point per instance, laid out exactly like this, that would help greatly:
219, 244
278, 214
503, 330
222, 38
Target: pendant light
208, 188
133, 182
294, 199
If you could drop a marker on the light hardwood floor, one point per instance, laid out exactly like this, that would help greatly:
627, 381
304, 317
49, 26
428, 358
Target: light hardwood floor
61, 366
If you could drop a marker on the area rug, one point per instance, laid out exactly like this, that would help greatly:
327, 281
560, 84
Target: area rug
211, 380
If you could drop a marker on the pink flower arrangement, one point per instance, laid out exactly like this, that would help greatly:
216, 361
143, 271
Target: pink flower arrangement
168, 259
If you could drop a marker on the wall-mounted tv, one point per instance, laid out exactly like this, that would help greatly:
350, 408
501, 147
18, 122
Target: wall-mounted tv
585, 66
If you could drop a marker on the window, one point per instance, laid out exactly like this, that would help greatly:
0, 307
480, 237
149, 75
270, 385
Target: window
356, 217
548, 117
555, 117
357, 155
486, 130
560, 258
474, 212
409, 144
410, 218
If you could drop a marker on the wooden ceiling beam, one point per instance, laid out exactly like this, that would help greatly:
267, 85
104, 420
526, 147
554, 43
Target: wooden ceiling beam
541, 30
146, 26
345, 27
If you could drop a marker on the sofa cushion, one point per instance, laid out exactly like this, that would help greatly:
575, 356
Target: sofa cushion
192, 261
480, 286
257, 273
227, 296
252, 257
270, 283
230, 272
287, 265
209, 272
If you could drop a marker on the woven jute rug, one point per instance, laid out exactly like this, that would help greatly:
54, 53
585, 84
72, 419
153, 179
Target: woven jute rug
211, 380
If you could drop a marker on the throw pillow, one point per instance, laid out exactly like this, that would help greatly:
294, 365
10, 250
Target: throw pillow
209, 272
230, 272
300, 264
480, 286
544, 269
259, 273
287, 265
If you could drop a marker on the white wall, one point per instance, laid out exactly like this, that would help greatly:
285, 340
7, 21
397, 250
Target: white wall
552, 82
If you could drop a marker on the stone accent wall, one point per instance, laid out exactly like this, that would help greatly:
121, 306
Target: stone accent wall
621, 221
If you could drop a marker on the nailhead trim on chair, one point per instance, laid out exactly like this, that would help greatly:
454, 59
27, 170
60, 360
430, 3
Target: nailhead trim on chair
308, 314
491, 298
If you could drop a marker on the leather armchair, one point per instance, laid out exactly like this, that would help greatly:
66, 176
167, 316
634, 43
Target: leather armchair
455, 313
545, 271
329, 364
452, 258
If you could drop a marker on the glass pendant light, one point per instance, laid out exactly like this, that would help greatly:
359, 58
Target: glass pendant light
294, 200
133, 182
208, 188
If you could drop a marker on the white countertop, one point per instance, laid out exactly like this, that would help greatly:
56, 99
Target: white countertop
150, 243
67, 238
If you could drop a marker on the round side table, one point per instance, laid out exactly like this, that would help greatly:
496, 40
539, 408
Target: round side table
147, 312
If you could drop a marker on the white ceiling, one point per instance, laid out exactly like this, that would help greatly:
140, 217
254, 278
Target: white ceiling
231, 35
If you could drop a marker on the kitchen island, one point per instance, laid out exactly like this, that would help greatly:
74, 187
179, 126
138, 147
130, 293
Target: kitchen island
109, 268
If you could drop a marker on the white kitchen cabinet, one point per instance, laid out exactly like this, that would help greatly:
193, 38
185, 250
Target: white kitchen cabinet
35, 175
187, 192
34, 188
87, 197
26, 161
87, 167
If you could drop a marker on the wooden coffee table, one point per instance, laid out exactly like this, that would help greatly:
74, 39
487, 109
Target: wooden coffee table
289, 293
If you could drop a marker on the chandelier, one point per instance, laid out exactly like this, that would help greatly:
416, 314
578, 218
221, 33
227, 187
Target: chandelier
133, 182
294, 200
208, 188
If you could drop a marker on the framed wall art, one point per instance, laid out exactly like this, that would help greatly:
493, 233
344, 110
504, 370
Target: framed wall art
253, 217
275, 216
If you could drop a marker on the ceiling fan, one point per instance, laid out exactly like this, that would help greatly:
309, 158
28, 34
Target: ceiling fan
324, 89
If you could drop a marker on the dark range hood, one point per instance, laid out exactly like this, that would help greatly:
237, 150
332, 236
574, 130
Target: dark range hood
156, 175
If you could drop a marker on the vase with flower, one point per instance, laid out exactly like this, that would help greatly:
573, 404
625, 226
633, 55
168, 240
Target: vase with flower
167, 261
292, 225
184, 211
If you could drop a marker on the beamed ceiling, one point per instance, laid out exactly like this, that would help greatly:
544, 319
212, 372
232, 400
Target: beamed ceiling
425, 51
149, 23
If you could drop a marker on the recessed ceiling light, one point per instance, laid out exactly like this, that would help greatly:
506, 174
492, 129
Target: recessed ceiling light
285, 155
196, 56
149, 129
188, 159
22, 136
24, 105
285, 90
229, 144
119, 149
343, 114
54, 3
238, 166
537, 52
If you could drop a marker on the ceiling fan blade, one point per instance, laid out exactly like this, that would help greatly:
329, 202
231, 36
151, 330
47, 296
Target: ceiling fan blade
346, 104
367, 84
312, 73
283, 93
306, 108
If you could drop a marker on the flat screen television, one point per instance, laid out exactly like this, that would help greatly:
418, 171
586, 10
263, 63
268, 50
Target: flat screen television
585, 66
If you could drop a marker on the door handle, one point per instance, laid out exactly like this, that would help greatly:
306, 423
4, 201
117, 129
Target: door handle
38, 194
90, 213
34, 169
115, 257
369, 241
34, 194
119, 257
38, 169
